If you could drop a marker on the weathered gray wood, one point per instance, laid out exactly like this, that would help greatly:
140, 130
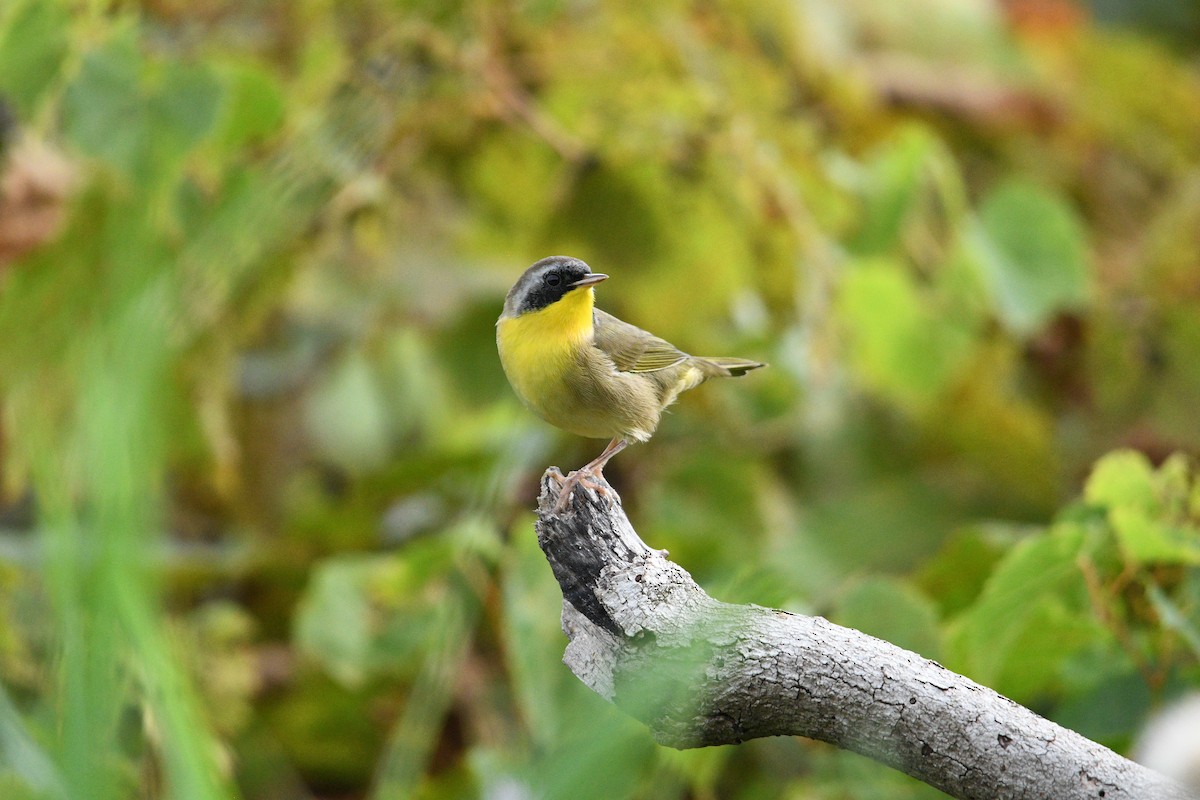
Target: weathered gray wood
699, 672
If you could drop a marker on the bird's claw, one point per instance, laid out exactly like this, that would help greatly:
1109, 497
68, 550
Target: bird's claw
577, 478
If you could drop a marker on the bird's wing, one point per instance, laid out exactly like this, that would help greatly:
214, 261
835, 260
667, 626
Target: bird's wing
633, 349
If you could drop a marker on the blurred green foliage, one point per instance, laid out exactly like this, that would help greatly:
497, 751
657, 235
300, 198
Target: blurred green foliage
264, 528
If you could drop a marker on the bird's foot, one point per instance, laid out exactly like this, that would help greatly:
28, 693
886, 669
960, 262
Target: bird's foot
580, 477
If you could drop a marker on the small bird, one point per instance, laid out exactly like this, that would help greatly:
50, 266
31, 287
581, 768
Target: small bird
587, 372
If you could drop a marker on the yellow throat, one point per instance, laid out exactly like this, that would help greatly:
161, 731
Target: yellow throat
538, 348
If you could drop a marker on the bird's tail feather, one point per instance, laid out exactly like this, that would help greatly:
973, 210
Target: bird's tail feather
731, 367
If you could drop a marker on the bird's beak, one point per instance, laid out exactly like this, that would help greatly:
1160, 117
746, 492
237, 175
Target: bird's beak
589, 280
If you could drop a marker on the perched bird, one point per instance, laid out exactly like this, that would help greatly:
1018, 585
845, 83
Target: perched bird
586, 371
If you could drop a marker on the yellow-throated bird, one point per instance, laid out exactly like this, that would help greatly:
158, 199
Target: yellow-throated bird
586, 371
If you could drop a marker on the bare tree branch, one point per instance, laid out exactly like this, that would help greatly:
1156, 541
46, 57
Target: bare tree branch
700, 672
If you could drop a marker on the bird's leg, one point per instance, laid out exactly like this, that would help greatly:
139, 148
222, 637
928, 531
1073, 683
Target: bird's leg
593, 469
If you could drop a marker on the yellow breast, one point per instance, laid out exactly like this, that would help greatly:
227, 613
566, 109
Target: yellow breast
539, 349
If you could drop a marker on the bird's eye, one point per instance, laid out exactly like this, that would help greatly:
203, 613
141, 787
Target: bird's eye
553, 279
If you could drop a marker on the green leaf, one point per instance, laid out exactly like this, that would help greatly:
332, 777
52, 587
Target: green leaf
368, 615
956, 574
1037, 583
112, 113
900, 344
1039, 644
254, 108
104, 113
895, 611
1192, 508
894, 182
1173, 617
356, 617
1123, 478
333, 618
183, 109
1030, 248
32, 769
347, 416
1173, 481
1147, 539
1109, 710
33, 44
1145, 508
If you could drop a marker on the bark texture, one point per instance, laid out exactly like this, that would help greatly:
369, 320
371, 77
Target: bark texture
700, 672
